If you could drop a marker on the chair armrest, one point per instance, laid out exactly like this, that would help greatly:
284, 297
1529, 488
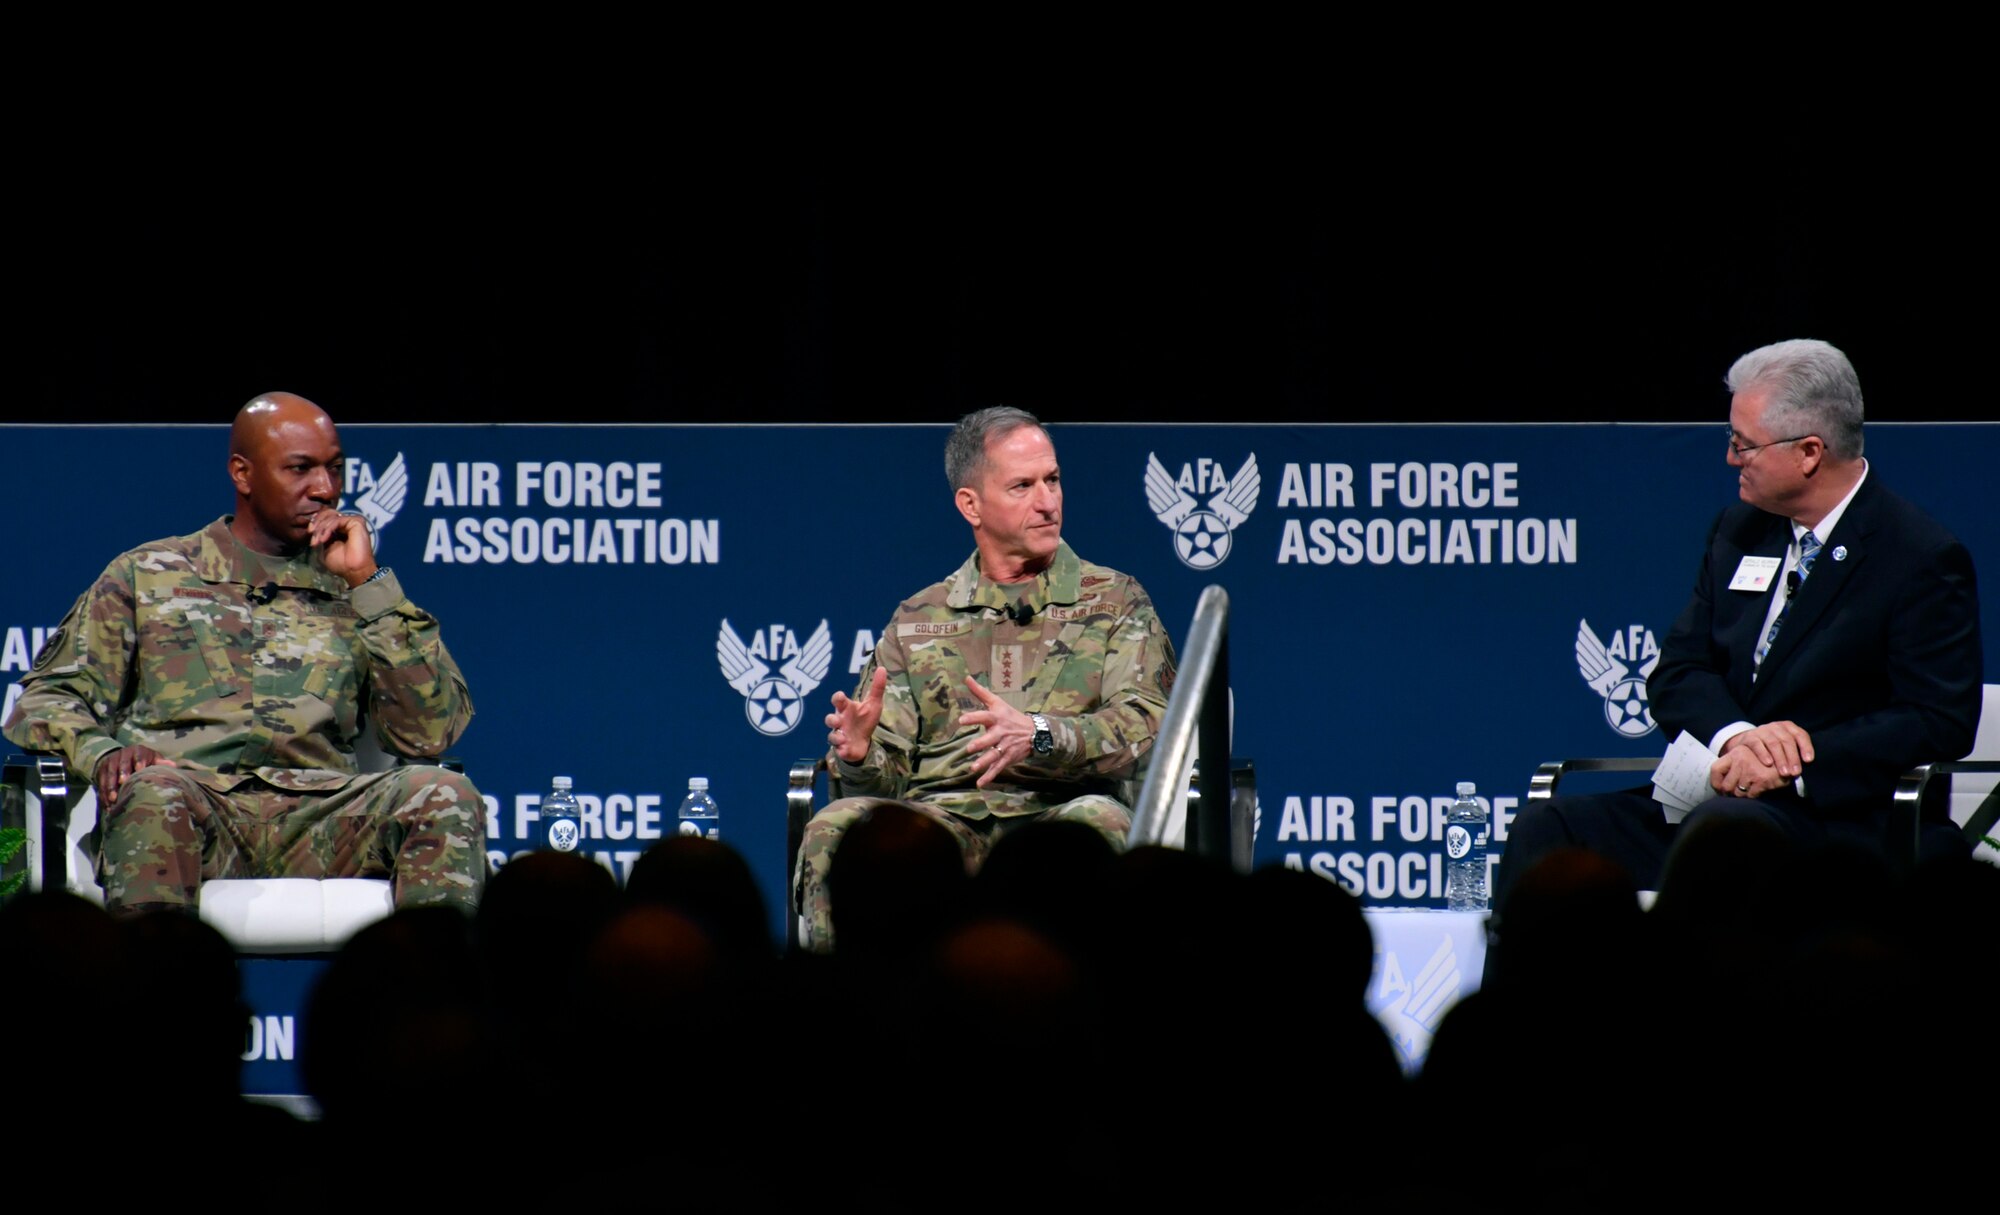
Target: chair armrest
1243, 814
799, 808
47, 776
1542, 786
1918, 784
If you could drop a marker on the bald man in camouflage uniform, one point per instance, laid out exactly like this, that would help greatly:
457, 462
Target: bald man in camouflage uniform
213, 685
1022, 688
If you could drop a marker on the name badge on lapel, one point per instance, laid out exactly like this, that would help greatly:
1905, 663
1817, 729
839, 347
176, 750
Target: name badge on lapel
1756, 573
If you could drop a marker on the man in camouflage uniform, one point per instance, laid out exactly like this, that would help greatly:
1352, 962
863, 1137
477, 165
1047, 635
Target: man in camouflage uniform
213, 685
1022, 688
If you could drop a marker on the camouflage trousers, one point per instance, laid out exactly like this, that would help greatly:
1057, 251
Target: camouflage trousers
975, 836
422, 827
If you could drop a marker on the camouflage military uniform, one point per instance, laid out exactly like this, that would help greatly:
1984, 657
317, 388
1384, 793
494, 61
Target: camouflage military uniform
253, 675
1093, 659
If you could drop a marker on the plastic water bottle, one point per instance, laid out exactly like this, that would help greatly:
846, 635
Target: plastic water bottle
698, 813
561, 827
1465, 852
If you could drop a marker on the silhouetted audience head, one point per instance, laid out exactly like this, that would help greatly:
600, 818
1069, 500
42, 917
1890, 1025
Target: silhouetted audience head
1003, 972
1836, 886
709, 883
537, 915
395, 1021
650, 967
1169, 916
1066, 981
1165, 956
1040, 1044
681, 1082
188, 971
1571, 919
1050, 876
1172, 892
63, 964
1718, 873
1307, 931
896, 884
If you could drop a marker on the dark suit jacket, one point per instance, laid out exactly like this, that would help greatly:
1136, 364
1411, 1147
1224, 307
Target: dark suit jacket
1879, 659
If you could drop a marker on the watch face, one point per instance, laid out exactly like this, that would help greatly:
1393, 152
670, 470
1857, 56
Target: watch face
1045, 742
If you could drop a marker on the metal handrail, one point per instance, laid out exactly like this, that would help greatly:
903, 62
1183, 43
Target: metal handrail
1220, 825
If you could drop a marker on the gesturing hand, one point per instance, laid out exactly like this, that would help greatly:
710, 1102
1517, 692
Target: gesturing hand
851, 725
115, 768
1008, 735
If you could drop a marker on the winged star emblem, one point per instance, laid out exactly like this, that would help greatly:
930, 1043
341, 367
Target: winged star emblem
1626, 708
379, 503
1202, 535
773, 703
1413, 1008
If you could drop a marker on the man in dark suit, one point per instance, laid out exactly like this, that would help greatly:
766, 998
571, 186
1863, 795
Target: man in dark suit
1831, 644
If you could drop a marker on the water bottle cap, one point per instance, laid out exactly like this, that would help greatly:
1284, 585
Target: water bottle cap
562, 782
697, 782
1466, 788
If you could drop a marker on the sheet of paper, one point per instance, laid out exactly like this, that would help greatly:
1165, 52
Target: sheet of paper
1680, 783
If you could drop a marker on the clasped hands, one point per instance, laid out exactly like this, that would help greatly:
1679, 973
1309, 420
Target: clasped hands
1007, 735
1761, 759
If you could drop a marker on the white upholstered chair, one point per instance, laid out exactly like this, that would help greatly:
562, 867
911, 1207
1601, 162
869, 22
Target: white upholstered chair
256, 915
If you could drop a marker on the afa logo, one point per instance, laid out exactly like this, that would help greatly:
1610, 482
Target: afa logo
1608, 671
1411, 1009
1202, 535
563, 835
774, 703
376, 499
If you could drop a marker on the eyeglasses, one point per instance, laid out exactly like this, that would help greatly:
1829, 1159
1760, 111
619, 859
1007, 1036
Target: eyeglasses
1742, 449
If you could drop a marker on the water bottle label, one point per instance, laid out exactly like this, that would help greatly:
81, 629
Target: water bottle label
563, 835
690, 827
1457, 842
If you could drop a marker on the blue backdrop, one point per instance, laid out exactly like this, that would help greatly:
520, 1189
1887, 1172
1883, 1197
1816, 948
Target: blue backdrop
1407, 600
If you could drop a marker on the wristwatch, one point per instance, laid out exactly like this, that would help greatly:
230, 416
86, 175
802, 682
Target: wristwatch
1045, 742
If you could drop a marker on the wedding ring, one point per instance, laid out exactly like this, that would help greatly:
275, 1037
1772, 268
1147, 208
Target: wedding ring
1743, 788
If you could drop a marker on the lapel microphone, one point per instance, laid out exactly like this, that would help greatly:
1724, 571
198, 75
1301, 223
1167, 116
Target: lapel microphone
1020, 613
262, 595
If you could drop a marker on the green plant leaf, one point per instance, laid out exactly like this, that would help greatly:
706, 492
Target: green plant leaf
12, 840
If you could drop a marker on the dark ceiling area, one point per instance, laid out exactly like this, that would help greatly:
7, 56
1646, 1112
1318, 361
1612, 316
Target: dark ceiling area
1492, 278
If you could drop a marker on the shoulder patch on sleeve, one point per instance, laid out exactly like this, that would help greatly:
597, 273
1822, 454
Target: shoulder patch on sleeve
56, 642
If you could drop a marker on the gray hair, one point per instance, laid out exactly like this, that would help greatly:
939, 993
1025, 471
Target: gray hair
1814, 391
965, 450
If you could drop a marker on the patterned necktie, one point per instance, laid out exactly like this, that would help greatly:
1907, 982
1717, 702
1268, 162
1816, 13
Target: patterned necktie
1808, 552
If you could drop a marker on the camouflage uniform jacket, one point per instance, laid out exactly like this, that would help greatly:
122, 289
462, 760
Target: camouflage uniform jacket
1093, 659
171, 649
